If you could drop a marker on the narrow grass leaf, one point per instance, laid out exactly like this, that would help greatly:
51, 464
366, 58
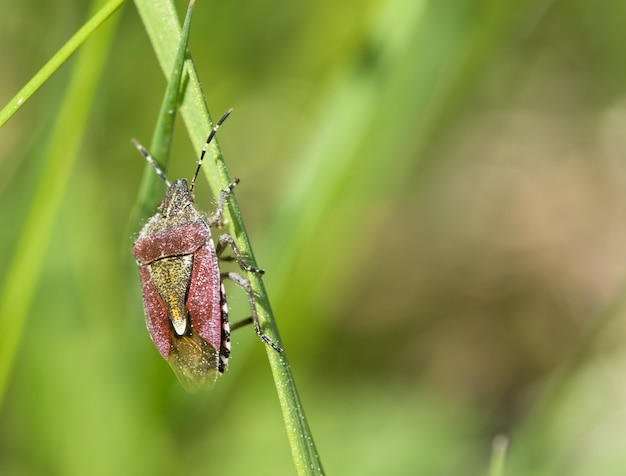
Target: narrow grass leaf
151, 189
160, 21
58, 59
23, 272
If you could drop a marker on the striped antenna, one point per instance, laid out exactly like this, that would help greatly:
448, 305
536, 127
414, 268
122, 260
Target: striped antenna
206, 145
151, 161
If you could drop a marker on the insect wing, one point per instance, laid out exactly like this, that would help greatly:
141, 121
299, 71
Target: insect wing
194, 362
204, 298
198, 358
156, 313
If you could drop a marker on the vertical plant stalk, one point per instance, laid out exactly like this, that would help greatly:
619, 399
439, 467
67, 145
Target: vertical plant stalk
60, 153
162, 25
499, 449
151, 189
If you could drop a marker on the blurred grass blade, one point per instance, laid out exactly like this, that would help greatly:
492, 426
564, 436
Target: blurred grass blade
151, 189
58, 59
60, 153
499, 449
419, 59
160, 20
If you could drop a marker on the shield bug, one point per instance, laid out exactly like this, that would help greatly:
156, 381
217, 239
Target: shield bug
183, 290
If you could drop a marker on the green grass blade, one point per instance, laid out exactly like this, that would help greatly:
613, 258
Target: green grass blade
58, 59
151, 189
500, 447
159, 18
161, 23
60, 153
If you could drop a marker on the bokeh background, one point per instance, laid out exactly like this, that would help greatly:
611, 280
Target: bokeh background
437, 190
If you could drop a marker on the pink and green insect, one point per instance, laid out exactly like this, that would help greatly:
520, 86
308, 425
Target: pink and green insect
182, 285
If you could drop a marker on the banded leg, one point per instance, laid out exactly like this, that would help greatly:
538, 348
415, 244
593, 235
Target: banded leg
227, 240
216, 218
245, 285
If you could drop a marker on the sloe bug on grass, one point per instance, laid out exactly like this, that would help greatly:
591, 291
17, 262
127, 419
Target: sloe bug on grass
183, 288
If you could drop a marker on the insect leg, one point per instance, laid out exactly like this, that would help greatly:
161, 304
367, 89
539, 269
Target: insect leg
245, 285
241, 323
216, 218
227, 240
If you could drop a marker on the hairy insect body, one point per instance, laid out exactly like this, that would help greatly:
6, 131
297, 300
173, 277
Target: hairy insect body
183, 290
184, 300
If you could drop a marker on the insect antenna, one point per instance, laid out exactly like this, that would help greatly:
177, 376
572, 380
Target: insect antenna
151, 161
206, 145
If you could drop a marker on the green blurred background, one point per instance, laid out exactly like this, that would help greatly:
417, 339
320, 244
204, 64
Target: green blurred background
437, 192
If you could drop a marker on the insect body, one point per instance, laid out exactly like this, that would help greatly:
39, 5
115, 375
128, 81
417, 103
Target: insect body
183, 290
